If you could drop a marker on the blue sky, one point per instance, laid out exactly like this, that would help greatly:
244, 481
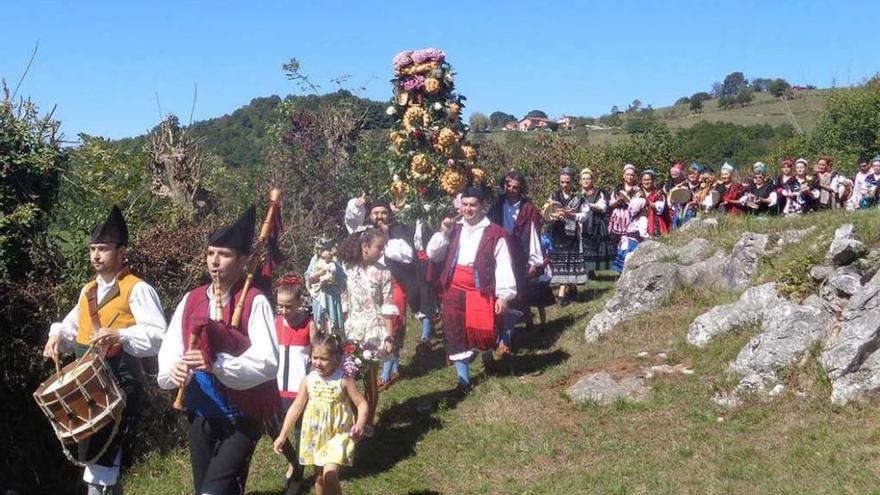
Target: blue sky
103, 62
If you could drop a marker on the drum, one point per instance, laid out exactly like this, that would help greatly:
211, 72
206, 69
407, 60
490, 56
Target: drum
679, 195
82, 399
551, 210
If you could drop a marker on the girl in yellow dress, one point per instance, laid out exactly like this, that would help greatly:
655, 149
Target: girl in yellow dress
329, 427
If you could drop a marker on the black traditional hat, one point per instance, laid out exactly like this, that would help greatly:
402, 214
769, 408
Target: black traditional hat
238, 235
111, 231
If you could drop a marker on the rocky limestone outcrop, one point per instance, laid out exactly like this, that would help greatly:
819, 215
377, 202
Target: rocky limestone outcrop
850, 358
655, 270
787, 331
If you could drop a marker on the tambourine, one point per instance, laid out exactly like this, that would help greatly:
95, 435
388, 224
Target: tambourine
551, 210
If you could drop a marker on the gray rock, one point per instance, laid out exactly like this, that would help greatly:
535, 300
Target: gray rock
704, 273
845, 247
858, 385
745, 260
638, 290
748, 310
789, 237
788, 331
845, 251
655, 270
838, 287
700, 223
859, 334
604, 389
821, 272
845, 231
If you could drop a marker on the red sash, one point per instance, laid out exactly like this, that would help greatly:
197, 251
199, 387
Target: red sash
479, 317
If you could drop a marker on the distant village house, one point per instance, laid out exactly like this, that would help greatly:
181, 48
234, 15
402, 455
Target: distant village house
533, 123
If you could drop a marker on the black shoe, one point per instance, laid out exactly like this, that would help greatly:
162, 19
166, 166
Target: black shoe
462, 390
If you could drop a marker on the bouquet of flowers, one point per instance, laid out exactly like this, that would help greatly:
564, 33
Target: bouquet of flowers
434, 161
356, 356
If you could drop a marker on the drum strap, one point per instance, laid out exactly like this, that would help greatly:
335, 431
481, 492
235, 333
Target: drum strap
92, 297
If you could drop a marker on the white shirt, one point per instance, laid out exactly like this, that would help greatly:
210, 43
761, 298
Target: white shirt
139, 340
505, 284
395, 249
258, 364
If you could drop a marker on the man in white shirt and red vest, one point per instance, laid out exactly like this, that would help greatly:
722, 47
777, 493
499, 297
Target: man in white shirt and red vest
229, 377
477, 281
122, 315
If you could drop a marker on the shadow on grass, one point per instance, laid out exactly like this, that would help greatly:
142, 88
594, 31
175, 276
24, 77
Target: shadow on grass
398, 430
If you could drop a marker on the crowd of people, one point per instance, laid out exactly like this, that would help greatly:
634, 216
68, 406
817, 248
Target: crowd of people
285, 368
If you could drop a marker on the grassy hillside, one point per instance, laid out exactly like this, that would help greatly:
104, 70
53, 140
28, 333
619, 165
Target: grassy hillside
801, 112
517, 433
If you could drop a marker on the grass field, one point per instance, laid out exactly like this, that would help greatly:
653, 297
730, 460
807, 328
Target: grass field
800, 112
517, 433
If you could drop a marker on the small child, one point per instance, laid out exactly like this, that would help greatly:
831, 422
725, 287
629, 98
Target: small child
329, 426
295, 330
636, 232
326, 281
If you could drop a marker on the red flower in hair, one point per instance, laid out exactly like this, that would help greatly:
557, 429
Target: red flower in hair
349, 348
423, 189
290, 279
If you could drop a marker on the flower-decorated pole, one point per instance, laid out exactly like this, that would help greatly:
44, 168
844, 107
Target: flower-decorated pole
433, 159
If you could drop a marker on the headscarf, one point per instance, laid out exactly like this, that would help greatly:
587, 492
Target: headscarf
802, 160
629, 166
650, 172
586, 171
875, 159
728, 167
759, 168
695, 167
677, 165
567, 171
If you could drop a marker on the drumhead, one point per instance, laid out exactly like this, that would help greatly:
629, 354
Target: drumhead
679, 195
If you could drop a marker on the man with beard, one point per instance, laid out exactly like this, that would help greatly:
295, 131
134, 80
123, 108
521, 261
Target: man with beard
514, 212
123, 315
229, 376
405, 258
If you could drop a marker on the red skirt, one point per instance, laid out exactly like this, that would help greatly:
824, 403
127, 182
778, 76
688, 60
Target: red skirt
399, 297
468, 316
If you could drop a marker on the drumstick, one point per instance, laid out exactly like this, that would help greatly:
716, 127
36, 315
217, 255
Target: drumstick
111, 322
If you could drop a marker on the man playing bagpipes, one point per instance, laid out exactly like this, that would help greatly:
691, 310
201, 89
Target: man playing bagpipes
227, 367
121, 315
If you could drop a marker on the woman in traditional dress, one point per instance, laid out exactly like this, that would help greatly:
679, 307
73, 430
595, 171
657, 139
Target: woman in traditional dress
619, 217
658, 214
567, 257
597, 245
860, 186
760, 197
730, 191
801, 192
872, 181
782, 183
